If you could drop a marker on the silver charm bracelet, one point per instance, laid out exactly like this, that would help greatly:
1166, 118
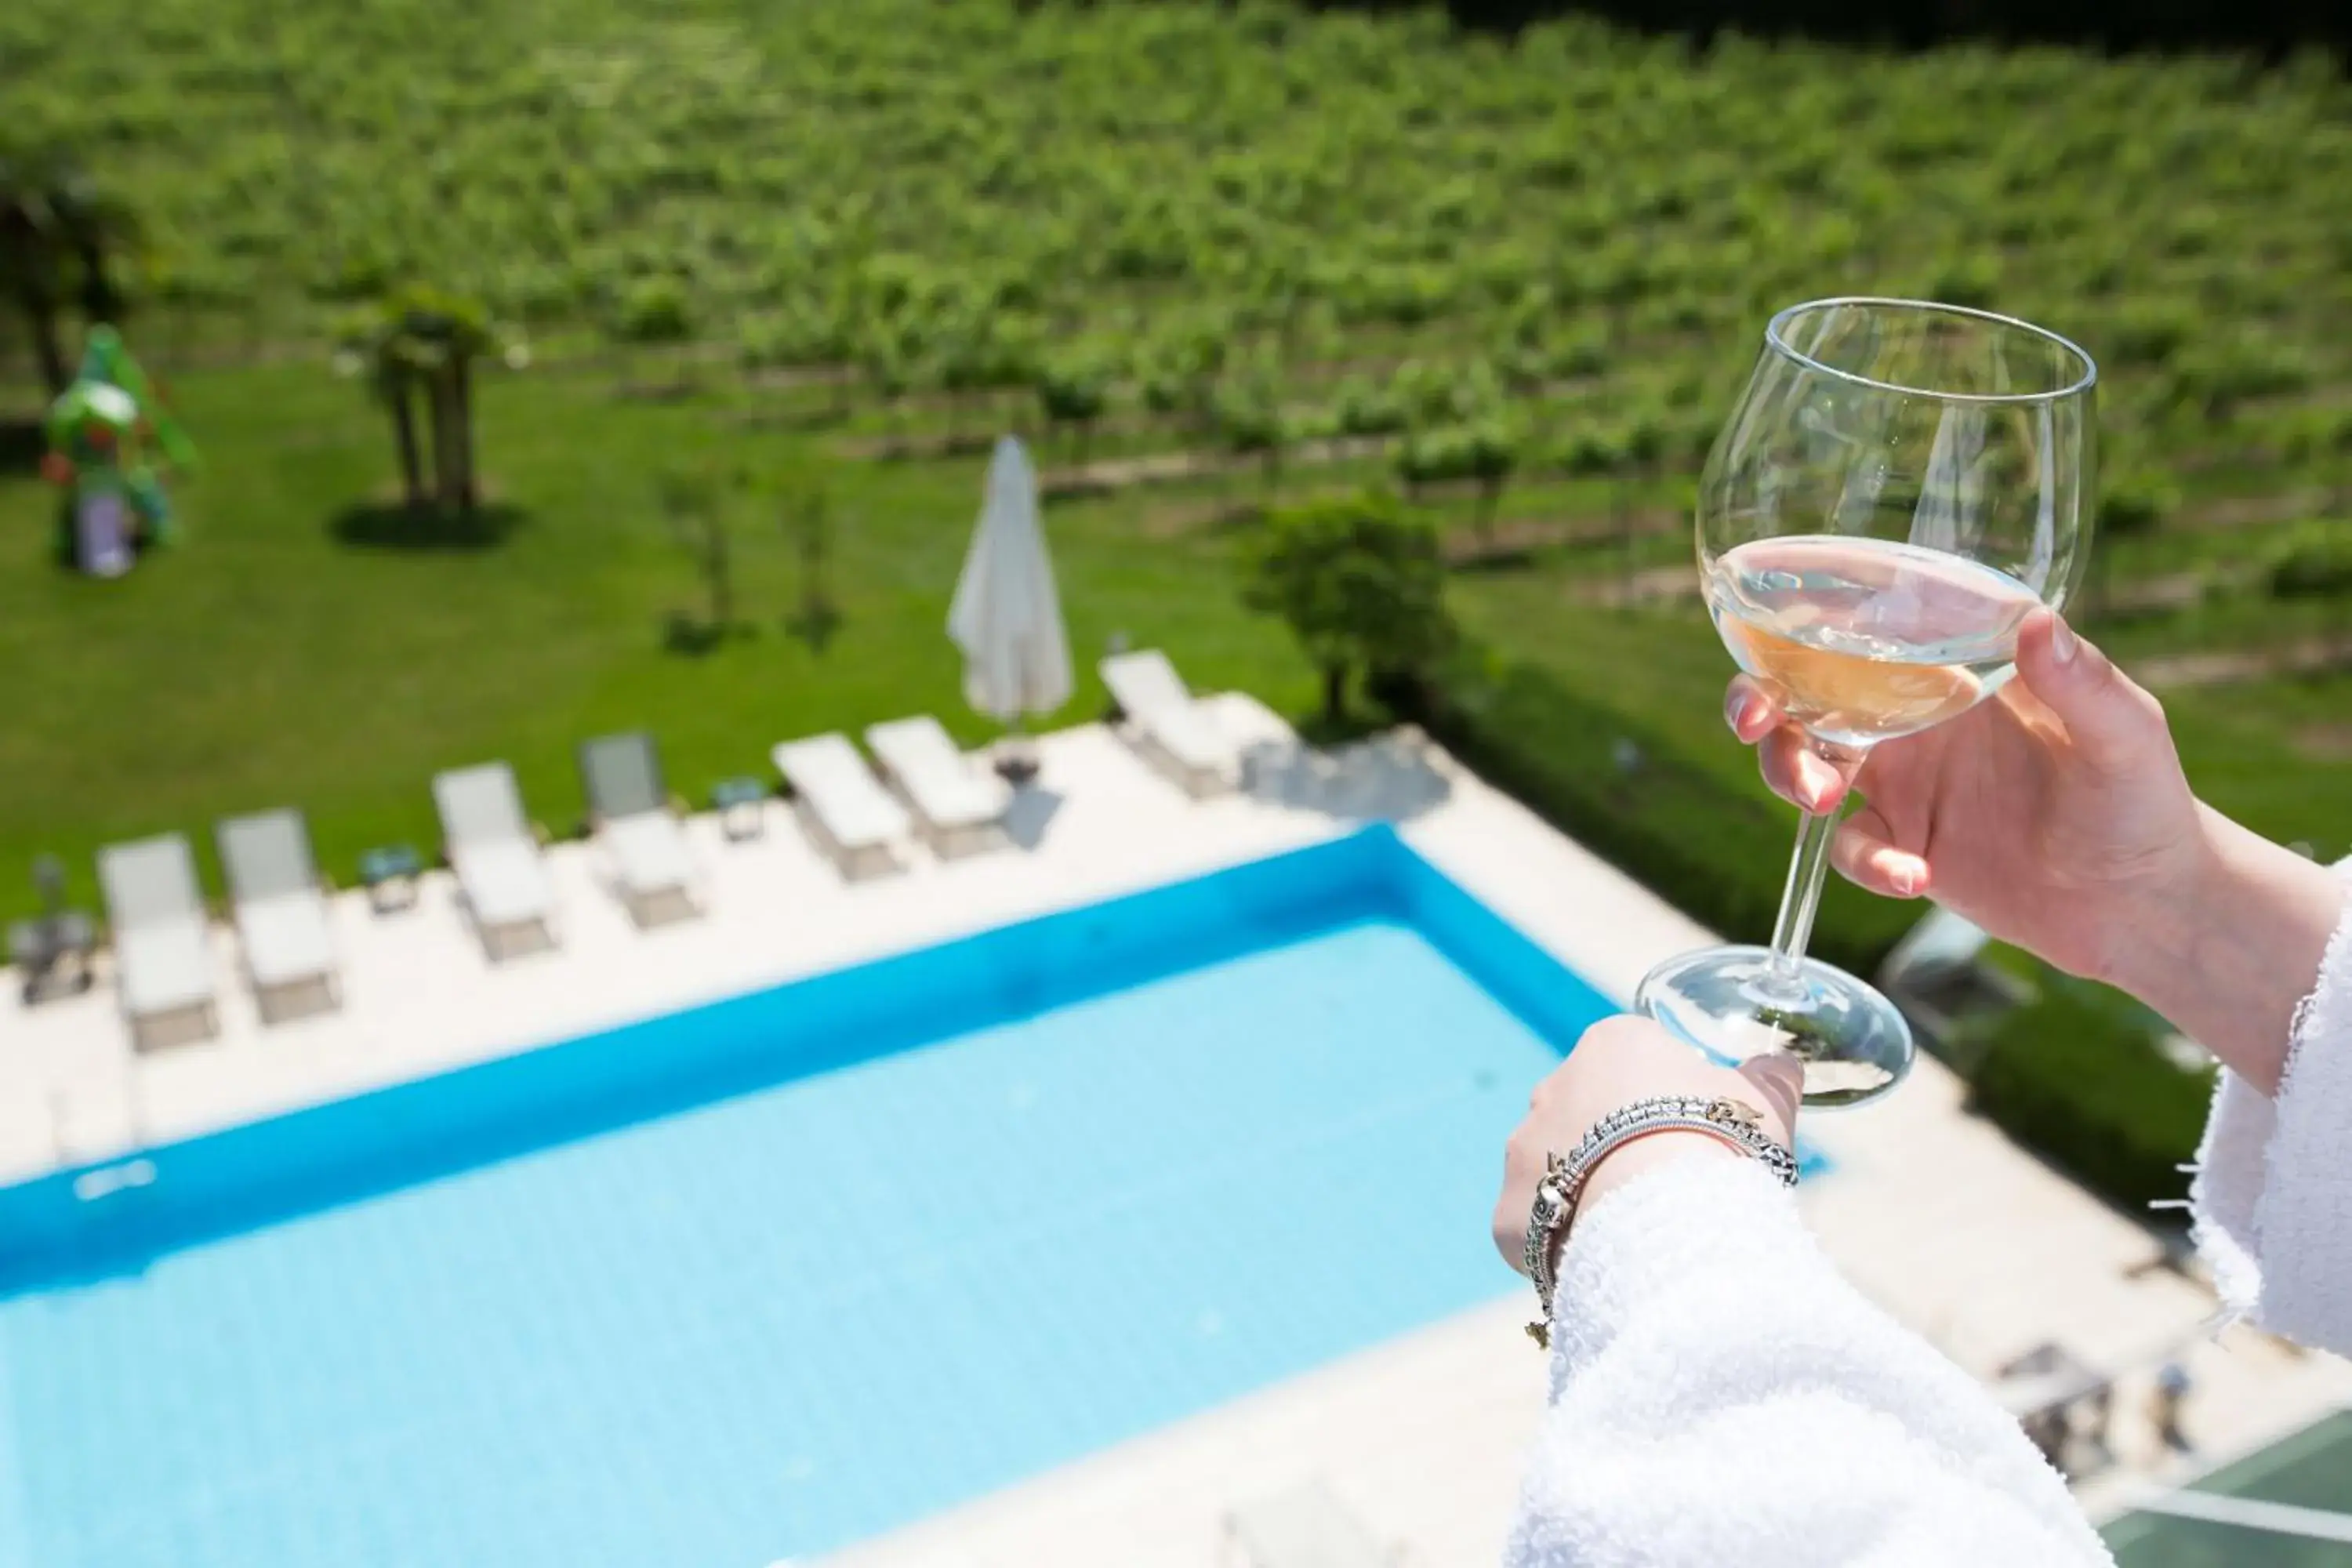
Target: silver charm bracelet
1738, 1125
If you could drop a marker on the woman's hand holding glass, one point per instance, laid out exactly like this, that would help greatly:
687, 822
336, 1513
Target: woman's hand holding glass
2057, 817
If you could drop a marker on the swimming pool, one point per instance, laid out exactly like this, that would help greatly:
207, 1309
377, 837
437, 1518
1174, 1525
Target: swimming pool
746, 1283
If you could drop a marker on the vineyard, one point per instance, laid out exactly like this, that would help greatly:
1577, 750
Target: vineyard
1207, 258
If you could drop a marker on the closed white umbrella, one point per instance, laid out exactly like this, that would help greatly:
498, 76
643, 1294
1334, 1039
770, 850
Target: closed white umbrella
1006, 617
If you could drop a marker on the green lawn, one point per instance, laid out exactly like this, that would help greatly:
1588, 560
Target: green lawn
307, 647
300, 651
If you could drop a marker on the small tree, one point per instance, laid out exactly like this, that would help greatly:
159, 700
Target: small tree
1248, 415
808, 523
1491, 454
2132, 506
420, 341
1072, 390
694, 503
1361, 582
1429, 457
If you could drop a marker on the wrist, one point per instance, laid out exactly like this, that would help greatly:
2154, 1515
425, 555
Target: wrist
1653, 1152
2228, 949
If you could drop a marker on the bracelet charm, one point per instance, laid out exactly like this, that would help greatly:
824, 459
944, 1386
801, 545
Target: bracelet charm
1734, 1122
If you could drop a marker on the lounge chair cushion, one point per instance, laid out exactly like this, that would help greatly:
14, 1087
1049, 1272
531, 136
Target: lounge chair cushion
1156, 701
835, 783
622, 776
287, 939
649, 853
267, 854
150, 880
945, 786
480, 806
505, 882
162, 966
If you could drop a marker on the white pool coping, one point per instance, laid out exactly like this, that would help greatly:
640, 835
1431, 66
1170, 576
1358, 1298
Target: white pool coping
1933, 1212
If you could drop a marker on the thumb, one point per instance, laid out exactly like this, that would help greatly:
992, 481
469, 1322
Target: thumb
2110, 718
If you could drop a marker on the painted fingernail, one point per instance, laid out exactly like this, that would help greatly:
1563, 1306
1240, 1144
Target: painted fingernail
2063, 644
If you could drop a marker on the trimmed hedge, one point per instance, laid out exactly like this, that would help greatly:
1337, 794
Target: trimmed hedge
1718, 854
2077, 1076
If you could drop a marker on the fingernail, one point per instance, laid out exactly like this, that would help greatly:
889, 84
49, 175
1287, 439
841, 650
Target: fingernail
1735, 712
2063, 644
1819, 778
1907, 882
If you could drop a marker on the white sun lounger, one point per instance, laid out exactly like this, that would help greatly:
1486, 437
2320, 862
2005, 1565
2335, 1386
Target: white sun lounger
1167, 720
281, 912
1305, 1528
621, 775
163, 971
495, 852
848, 815
960, 807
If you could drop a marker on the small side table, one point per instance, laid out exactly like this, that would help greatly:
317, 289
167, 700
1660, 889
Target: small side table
741, 804
389, 874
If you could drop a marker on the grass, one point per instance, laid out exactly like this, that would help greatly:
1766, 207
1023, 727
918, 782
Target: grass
300, 648
311, 646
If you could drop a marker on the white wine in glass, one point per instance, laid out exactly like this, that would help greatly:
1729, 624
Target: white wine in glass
1863, 638
1898, 485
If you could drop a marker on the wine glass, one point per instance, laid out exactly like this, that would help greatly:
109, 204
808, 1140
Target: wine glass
1899, 484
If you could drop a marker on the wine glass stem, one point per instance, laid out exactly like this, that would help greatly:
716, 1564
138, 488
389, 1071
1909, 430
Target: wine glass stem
1807, 869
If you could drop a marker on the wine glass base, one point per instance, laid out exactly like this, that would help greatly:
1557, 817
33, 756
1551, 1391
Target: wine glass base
1854, 1043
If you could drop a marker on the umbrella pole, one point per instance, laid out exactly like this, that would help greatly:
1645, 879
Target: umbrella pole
1016, 756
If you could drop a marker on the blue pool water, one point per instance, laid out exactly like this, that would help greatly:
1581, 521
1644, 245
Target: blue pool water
748, 1283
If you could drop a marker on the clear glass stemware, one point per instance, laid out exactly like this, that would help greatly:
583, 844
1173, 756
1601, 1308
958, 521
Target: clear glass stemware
1899, 484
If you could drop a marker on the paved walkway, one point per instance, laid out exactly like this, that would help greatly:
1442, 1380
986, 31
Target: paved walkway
1932, 1211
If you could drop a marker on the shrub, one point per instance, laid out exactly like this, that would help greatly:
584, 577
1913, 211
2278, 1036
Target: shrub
1591, 449
2134, 504
652, 310
2078, 1077
1584, 356
1073, 387
1366, 408
2313, 562
1432, 458
2149, 332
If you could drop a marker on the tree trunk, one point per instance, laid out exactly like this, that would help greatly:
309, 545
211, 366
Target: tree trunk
404, 435
100, 300
1334, 693
447, 487
461, 399
48, 347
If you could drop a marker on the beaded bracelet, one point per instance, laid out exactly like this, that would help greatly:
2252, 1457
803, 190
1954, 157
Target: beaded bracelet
1739, 1125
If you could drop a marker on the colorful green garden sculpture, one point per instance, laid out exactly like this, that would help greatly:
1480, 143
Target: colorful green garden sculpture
99, 429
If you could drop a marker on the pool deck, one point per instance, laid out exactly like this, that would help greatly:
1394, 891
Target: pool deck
1970, 1240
